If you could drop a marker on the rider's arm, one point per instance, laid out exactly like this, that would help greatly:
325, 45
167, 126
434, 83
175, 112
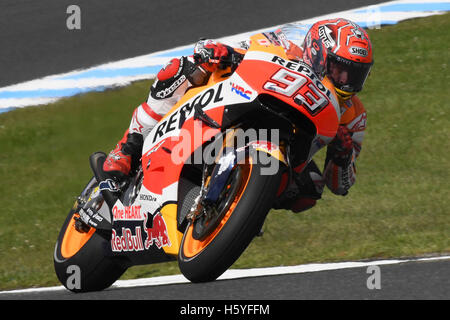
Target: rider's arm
340, 169
177, 76
211, 55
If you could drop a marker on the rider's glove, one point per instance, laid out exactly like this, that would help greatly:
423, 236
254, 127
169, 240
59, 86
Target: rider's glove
340, 149
209, 54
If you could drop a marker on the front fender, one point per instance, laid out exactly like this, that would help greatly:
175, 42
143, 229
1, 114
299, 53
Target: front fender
270, 148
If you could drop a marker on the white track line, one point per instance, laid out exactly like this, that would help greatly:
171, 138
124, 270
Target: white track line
239, 273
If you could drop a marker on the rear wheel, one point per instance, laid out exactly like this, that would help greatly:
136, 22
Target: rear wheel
247, 198
80, 258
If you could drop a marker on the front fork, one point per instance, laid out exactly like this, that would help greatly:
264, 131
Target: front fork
229, 156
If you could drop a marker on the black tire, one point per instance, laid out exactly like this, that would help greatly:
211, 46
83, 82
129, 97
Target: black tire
86, 268
244, 222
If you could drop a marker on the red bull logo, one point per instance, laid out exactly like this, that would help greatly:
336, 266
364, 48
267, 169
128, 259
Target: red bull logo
127, 241
132, 238
156, 234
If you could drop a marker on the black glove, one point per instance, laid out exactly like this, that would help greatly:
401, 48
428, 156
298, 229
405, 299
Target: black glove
210, 54
340, 149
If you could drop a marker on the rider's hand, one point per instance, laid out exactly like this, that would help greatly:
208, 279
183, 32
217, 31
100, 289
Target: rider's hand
341, 147
210, 54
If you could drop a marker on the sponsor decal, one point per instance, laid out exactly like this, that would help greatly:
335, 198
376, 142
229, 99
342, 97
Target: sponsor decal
146, 197
168, 91
127, 213
178, 117
94, 193
90, 217
109, 185
283, 39
156, 229
243, 44
240, 91
358, 51
325, 35
359, 123
357, 32
273, 38
127, 241
151, 230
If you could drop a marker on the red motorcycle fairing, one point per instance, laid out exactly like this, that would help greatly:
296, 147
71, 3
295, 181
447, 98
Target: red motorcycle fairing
296, 84
146, 220
199, 115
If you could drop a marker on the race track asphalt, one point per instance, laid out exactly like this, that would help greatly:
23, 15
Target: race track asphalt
414, 280
35, 41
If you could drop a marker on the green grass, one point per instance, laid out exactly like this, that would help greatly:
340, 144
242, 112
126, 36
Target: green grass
398, 206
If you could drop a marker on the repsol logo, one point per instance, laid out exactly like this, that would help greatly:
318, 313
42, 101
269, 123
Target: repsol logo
358, 51
178, 117
294, 66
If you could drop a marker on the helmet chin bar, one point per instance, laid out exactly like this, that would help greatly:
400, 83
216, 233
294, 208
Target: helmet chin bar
344, 95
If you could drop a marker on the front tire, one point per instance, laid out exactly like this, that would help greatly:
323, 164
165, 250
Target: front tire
205, 259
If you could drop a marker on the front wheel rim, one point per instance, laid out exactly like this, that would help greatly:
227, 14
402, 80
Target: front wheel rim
192, 247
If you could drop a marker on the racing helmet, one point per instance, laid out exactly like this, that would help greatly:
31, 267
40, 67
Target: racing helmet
340, 50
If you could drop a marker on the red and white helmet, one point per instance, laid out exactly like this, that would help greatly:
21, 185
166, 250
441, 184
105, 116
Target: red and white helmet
340, 50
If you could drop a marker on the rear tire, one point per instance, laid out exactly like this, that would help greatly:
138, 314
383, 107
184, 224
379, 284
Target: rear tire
81, 260
206, 259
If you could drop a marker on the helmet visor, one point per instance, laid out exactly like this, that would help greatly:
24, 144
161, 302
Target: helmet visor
347, 75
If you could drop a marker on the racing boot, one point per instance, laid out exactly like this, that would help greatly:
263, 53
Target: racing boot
310, 185
303, 192
125, 156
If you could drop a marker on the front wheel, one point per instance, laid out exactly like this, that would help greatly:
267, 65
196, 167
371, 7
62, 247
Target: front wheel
204, 258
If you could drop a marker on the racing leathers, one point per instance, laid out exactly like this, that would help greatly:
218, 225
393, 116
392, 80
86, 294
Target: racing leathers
339, 172
180, 74
171, 82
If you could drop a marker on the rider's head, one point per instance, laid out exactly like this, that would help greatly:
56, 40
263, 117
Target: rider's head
340, 50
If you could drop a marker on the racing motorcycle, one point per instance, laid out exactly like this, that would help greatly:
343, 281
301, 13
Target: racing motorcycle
210, 172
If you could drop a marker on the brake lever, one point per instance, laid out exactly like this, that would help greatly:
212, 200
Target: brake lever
234, 61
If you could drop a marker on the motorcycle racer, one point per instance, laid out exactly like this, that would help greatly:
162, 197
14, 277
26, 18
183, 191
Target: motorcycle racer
338, 49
